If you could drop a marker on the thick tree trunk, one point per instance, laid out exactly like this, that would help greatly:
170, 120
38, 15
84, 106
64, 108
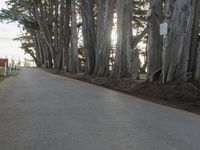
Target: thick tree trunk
123, 60
66, 38
197, 73
44, 28
154, 38
89, 34
194, 52
73, 63
104, 28
56, 29
47, 53
181, 47
39, 51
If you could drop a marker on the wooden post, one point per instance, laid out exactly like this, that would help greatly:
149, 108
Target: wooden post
5, 69
164, 33
10, 68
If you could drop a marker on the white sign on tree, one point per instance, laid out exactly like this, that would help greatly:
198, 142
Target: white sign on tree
164, 29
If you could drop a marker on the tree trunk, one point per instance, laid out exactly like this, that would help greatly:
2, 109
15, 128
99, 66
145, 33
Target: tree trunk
44, 28
89, 34
39, 51
104, 28
197, 73
154, 38
180, 46
57, 27
73, 64
66, 32
123, 59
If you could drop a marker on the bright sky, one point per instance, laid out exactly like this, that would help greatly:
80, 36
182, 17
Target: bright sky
8, 47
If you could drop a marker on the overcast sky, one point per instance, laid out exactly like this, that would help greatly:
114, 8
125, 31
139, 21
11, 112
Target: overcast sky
8, 47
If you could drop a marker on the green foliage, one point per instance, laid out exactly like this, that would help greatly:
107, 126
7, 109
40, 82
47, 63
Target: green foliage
19, 11
139, 13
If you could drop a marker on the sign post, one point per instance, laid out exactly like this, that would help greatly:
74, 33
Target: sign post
164, 33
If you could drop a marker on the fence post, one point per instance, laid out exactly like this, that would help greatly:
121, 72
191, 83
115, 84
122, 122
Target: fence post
10, 68
5, 69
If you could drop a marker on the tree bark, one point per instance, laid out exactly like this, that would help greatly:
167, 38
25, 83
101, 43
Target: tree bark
104, 28
73, 63
154, 38
123, 59
181, 47
197, 73
40, 15
66, 36
89, 33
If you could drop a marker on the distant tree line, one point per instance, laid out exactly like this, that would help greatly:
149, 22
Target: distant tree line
80, 36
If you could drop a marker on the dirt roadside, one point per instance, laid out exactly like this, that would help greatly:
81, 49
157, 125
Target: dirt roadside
180, 95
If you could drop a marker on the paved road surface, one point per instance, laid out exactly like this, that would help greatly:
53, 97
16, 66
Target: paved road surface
42, 111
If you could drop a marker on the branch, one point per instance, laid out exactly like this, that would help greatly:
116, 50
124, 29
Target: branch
139, 37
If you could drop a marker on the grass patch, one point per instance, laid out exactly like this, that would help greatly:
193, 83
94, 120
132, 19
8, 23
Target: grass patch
1, 71
143, 76
1, 78
13, 73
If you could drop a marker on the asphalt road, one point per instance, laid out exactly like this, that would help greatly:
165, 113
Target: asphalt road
42, 111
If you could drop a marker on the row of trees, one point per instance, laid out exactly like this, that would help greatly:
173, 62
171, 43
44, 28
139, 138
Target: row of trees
79, 36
